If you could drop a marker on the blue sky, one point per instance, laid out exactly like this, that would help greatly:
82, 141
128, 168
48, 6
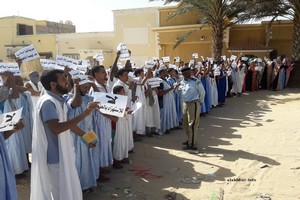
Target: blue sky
87, 15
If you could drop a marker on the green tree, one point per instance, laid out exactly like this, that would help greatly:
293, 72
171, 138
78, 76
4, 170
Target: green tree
218, 14
289, 9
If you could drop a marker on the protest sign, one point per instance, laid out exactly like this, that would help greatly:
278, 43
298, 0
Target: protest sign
64, 61
124, 52
177, 59
48, 64
27, 53
154, 82
150, 64
83, 65
233, 57
166, 59
195, 55
99, 57
8, 120
111, 104
10, 67
223, 58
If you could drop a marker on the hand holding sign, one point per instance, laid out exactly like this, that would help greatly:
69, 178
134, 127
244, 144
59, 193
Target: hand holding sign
27, 53
8, 121
92, 106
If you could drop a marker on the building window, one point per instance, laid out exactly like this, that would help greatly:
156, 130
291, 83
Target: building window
23, 29
74, 56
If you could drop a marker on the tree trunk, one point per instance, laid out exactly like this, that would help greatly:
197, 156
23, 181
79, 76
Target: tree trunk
294, 81
217, 39
296, 33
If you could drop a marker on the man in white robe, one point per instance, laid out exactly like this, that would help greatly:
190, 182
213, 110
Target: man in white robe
53, 172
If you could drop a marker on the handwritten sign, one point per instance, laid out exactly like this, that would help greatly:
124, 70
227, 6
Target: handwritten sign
8, 120
233, 57
27, 53
10, 67
75, 73
64, 61
83, 65
223, 57
150, 64
166, 59
195, 55
125, 55
84, 79
154, 82
177, 59
99, 57
111, 104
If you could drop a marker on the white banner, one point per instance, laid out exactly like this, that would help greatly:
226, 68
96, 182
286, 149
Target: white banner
8, 120
48, 64
111, 104
27, 53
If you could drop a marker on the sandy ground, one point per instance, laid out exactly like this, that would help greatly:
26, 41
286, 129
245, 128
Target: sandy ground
249, 149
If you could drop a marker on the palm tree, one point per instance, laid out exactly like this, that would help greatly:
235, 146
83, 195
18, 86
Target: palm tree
289, 9
218, 14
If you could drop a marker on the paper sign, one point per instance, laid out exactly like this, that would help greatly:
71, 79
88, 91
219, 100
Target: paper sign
244, 58
150, 64
154, 81
48, 64
64, 61
202, 58
84, 79
125, 55
10, 67
223, 58
83, 65
135, 106
8, 120
99, 57
75, 73
166, 59
177, 59
27, 53
195, 55
111, 104
233, 57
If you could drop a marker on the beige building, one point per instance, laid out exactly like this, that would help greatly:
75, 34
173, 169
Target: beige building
147, 32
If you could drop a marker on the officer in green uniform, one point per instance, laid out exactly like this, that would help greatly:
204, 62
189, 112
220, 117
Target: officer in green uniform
192, 93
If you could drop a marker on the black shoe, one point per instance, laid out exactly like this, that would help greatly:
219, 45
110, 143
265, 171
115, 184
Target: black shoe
155, 133
137, 139
167, 132
185, 143
149, 135
131, 151
189, 148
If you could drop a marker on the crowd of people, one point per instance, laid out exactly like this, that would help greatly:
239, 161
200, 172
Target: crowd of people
59, 109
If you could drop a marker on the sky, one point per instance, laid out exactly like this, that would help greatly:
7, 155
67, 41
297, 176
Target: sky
87, 15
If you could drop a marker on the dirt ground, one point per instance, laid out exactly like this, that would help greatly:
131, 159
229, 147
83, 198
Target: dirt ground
249, 150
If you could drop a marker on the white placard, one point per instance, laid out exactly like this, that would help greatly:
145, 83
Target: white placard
111, 104
195, 55
135, 106
233, 57
202, 58
64, 61
75, 73
27, 53
99, 57
48, 64
84, 79
125, 55
244, 58
177, 59
150, 64
8, 120
166, 59
83, 65
10, 67
154, 81
223, 57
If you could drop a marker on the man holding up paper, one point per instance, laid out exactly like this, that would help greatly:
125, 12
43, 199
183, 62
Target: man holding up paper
53, 174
